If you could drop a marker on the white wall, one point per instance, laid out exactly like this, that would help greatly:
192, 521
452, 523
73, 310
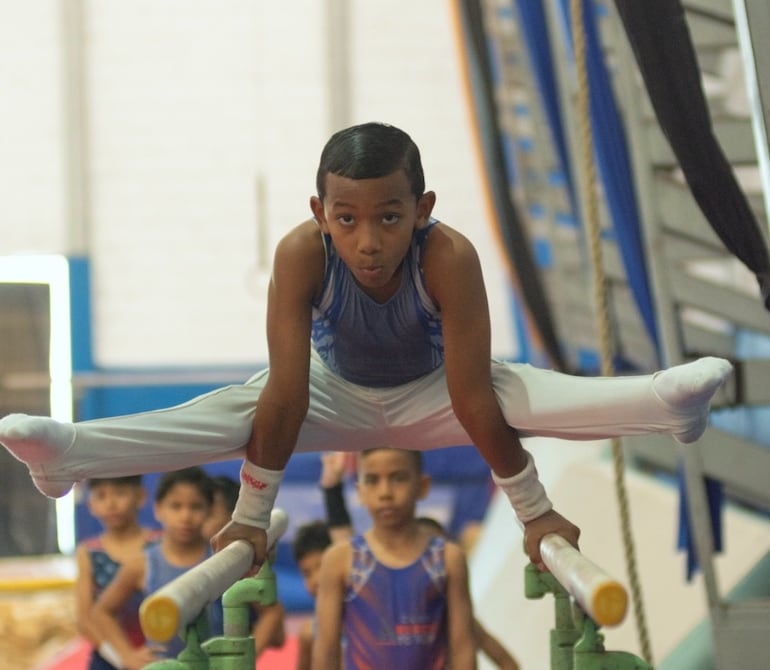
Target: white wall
31, 163
189, 106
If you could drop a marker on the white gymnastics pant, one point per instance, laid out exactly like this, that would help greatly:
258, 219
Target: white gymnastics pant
347, 417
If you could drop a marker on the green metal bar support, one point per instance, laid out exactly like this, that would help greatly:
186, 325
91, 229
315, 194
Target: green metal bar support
235, 650
576, 643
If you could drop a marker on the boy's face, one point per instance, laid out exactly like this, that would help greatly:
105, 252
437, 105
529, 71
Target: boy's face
182, 513
389, 486
309, 568
115, 505
371, 223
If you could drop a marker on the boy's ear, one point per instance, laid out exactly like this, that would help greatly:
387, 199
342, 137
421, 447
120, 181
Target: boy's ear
317, 207
425, 205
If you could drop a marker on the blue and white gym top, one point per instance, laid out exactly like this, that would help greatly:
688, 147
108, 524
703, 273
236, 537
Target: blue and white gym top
373, 344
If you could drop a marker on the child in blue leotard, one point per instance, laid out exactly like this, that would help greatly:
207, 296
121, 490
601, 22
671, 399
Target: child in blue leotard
115, 503
182, 505
397, 596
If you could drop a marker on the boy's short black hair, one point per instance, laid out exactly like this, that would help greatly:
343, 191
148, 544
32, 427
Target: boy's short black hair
369, 151
194, 475
229, 489
131, 480
310, 537
431, 524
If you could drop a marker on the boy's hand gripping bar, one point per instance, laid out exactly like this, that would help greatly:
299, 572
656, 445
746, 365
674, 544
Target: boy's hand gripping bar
172, 607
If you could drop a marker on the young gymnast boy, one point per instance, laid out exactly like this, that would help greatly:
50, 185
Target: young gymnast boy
182, 504
115, 503
394, 304
315, 537
397, 596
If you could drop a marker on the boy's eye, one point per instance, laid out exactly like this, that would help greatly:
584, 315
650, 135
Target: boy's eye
390, 219
345, 219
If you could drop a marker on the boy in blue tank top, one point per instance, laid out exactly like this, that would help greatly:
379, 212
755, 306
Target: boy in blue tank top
397, 595
378, 332
182, 504
115, 503
312, 540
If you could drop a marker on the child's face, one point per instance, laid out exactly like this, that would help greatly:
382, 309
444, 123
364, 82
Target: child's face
389, 486
182, 513
115, 505
371, 223
309, 567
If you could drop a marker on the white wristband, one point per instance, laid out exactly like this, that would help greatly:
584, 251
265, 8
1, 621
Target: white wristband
259, 488
526, 493
109, 654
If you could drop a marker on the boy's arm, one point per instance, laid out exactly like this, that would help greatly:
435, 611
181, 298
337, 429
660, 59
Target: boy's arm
297, 275
84, 595
305, 645
128, 579
492, 648
454, 280
268, 631
283, 402
462, 642
335, 566
332, 475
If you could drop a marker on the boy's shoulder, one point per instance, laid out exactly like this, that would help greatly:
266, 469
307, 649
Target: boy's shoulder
454, 559
448, 247
92, 543
338, 555
305, 237
150, 535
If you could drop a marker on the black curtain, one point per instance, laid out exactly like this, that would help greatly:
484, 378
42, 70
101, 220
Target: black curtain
660, 39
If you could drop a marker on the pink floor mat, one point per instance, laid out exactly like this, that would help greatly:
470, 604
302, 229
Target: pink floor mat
76, 654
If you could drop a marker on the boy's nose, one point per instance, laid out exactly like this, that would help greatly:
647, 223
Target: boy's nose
368, 239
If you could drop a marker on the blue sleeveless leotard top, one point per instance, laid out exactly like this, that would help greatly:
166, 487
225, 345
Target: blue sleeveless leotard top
373, 344
103, 570
396, 617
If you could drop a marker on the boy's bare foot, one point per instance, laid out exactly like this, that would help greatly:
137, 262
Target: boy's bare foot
687, 389
38, 441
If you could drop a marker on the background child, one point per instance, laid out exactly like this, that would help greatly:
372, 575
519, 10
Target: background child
310, 542
316, 536
182, 504
268, 625
399, 593
115, 503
